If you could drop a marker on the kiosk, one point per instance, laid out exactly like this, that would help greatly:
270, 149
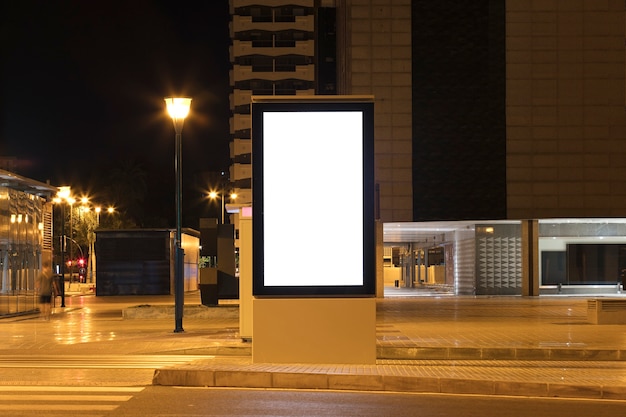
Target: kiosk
313, 230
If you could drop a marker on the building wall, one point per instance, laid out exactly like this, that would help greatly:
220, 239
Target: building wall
378, 62
459, 147
566, 125
373, 58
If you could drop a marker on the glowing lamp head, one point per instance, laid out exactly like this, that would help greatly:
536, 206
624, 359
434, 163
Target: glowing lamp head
64, 192
178, 107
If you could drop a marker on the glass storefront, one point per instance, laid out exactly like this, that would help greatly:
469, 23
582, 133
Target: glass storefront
582, 256
574, 256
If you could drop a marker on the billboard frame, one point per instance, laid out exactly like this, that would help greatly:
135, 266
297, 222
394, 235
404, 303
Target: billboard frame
319, 105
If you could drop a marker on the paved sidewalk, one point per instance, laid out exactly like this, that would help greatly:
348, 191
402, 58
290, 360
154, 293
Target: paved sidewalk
541, 346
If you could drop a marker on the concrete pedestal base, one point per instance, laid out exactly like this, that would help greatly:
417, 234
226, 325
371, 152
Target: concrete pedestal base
314, 330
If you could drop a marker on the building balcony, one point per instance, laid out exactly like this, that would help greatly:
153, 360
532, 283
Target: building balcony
240, 147
244, 23
241, 48
301, 72
272, 3
240, 172
240, 98
240, 122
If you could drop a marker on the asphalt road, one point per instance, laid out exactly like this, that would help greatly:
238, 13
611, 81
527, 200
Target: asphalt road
27, 401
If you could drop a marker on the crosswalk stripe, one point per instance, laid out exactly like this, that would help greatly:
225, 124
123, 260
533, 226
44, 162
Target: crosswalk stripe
100, 362
64, 399
39, 388
58, 407
57, 397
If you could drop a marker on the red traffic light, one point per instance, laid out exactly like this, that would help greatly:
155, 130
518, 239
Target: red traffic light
81, 262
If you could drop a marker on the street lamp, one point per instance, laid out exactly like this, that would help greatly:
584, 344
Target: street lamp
178, 109
214, 194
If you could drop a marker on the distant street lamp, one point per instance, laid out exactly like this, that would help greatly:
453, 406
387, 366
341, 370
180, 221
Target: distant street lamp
178, 109
98, 210
213, 195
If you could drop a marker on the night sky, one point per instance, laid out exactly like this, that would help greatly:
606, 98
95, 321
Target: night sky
83, 84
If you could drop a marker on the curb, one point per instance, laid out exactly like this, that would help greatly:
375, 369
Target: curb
147, 311
378, 382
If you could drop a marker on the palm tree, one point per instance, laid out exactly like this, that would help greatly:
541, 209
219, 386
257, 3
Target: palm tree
127, 187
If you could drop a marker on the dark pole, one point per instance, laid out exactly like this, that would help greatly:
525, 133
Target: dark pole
179, 296
62, 283
71, 235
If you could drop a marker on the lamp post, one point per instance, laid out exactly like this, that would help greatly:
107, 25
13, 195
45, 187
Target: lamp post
62, 195
71, 201
178, 109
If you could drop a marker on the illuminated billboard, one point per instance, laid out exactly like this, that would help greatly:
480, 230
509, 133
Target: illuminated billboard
313, 196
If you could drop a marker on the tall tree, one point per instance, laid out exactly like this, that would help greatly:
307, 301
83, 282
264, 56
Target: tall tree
127, 188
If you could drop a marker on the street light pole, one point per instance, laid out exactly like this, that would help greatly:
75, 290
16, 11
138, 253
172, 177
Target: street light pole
178, 109
62, 196
213, 195
222, 198
62, 283
71, 201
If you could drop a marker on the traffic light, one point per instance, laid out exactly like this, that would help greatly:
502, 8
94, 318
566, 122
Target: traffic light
81, 269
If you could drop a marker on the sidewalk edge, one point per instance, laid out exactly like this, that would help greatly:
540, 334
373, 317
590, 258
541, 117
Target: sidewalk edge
376, 382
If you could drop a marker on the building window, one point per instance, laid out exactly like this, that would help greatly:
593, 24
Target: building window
288, 38
259, 63
258, 13
288, 63
243, 134
290, 86
259, 38
289, 13
242, 109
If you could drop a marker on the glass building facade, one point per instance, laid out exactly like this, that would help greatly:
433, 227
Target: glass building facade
25, 240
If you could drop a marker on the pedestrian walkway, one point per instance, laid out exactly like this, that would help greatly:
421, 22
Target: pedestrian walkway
541, 346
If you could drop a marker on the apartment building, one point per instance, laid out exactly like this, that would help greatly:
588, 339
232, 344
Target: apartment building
486, 111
